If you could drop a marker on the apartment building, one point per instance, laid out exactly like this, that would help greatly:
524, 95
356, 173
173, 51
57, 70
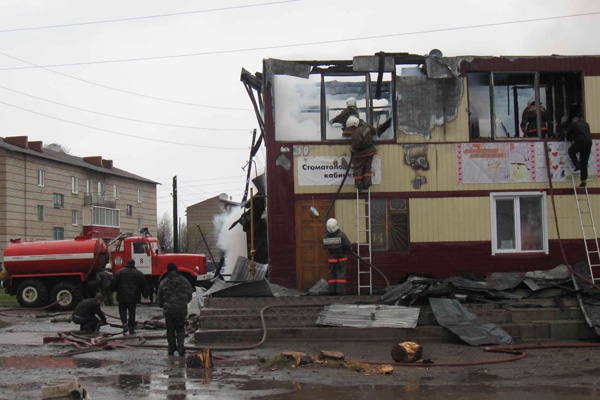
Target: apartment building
46, 194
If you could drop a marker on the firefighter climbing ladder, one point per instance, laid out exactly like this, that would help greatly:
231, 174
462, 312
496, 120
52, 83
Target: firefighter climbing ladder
363, 241
588, 229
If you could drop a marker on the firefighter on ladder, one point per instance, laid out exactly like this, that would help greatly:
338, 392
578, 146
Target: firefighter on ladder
363, 151
337, 245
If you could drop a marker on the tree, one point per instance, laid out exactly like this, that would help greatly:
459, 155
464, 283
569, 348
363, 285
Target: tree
165, 232
183, 238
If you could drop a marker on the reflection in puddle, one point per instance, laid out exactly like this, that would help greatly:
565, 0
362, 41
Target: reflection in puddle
53, 362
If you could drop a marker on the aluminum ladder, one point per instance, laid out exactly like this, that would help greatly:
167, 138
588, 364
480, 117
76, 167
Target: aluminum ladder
588, 229
363, 241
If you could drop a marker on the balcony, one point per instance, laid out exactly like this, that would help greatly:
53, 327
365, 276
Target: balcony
99, 201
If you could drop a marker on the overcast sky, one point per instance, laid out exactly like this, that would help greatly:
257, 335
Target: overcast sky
154, 85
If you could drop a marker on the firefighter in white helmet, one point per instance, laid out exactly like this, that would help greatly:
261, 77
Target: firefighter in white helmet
337, 245
363, 150
342, 117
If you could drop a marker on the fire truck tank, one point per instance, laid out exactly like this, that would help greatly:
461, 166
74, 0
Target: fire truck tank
77, 255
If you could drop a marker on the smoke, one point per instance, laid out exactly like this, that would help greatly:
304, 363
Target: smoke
231, 242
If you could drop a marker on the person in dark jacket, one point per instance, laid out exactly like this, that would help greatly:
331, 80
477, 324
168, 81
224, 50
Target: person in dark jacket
363, 151
342, 117
174, 294
581, 143
101, 283
130, 284
88, 314
337, 245
529, 120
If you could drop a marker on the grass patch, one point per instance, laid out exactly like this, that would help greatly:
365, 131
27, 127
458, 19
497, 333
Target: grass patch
7, 300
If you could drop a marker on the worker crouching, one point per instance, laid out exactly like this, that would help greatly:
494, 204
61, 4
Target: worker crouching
89, 315
337, 245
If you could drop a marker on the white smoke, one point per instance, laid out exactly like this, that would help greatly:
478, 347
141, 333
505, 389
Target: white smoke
231, 242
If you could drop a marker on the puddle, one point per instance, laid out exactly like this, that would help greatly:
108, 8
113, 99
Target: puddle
53, 362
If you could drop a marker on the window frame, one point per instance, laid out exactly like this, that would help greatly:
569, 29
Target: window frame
58, 233
394, 233
516, 196
74, 185
59, 200
74, 217
41, 178
104, 216
41, 213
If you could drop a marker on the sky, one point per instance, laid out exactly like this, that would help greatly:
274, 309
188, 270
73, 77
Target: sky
155, 85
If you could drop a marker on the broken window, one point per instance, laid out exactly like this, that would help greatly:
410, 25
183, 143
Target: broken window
519, 222
498, 100
304, 108
389, 225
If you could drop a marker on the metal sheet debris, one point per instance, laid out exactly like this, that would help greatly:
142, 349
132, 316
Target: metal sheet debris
369, 316
469, 327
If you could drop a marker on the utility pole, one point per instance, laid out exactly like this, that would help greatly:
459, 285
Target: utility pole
175, 218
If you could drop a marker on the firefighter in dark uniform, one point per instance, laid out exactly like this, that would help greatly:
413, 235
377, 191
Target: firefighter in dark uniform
580, 137
337, 245
89, 315
529, 120
363, 151
342, 117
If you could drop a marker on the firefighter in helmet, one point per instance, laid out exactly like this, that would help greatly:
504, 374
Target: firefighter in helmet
337, 245
342, 117
529, 119
363, 150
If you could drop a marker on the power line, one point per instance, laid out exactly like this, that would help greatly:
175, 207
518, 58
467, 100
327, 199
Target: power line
117, 89
317, 43
108, 21
123, 134
118, 117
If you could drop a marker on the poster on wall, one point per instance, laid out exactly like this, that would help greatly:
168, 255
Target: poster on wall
329, 171
519, 162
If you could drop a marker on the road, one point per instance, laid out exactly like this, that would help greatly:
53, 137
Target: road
459, 371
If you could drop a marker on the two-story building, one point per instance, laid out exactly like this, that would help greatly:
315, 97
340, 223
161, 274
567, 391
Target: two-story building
459, 184
47, 194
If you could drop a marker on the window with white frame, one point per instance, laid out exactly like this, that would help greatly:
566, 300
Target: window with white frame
519, 222
89, 186
74, 185
41, 177
105, 217
116, 191
59, 233
128, 210
101, 189
59, 200
139, 195
41, 213
74, 217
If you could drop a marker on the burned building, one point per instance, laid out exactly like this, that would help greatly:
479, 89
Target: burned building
457, 185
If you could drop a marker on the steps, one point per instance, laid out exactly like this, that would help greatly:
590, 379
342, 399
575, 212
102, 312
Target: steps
294, 318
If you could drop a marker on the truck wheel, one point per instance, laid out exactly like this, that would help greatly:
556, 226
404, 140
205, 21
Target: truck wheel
66, 295
32, 293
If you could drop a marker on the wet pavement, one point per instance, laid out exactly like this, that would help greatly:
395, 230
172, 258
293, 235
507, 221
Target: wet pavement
564, 372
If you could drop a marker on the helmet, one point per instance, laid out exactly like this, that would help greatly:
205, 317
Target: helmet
332, 225
531, 101
352, 121
351, 102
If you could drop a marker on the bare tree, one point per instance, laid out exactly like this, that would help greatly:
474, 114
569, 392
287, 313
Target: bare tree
165, 232
183, 238
58, 147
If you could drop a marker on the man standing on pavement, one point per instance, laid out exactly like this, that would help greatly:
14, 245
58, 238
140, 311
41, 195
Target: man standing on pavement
174, 294
88, 314
130, 284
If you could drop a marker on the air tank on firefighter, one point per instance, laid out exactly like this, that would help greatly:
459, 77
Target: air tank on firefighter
80, 255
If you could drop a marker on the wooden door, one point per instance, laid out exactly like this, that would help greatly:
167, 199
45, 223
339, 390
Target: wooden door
311, 257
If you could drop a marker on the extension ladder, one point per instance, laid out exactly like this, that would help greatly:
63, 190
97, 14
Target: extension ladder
363, 241
588, 229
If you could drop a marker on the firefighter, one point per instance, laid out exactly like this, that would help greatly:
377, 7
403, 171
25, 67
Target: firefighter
580, 137
174, 294
89, 315
342, 117
130, 284
363, 151
529, 119
337, 245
